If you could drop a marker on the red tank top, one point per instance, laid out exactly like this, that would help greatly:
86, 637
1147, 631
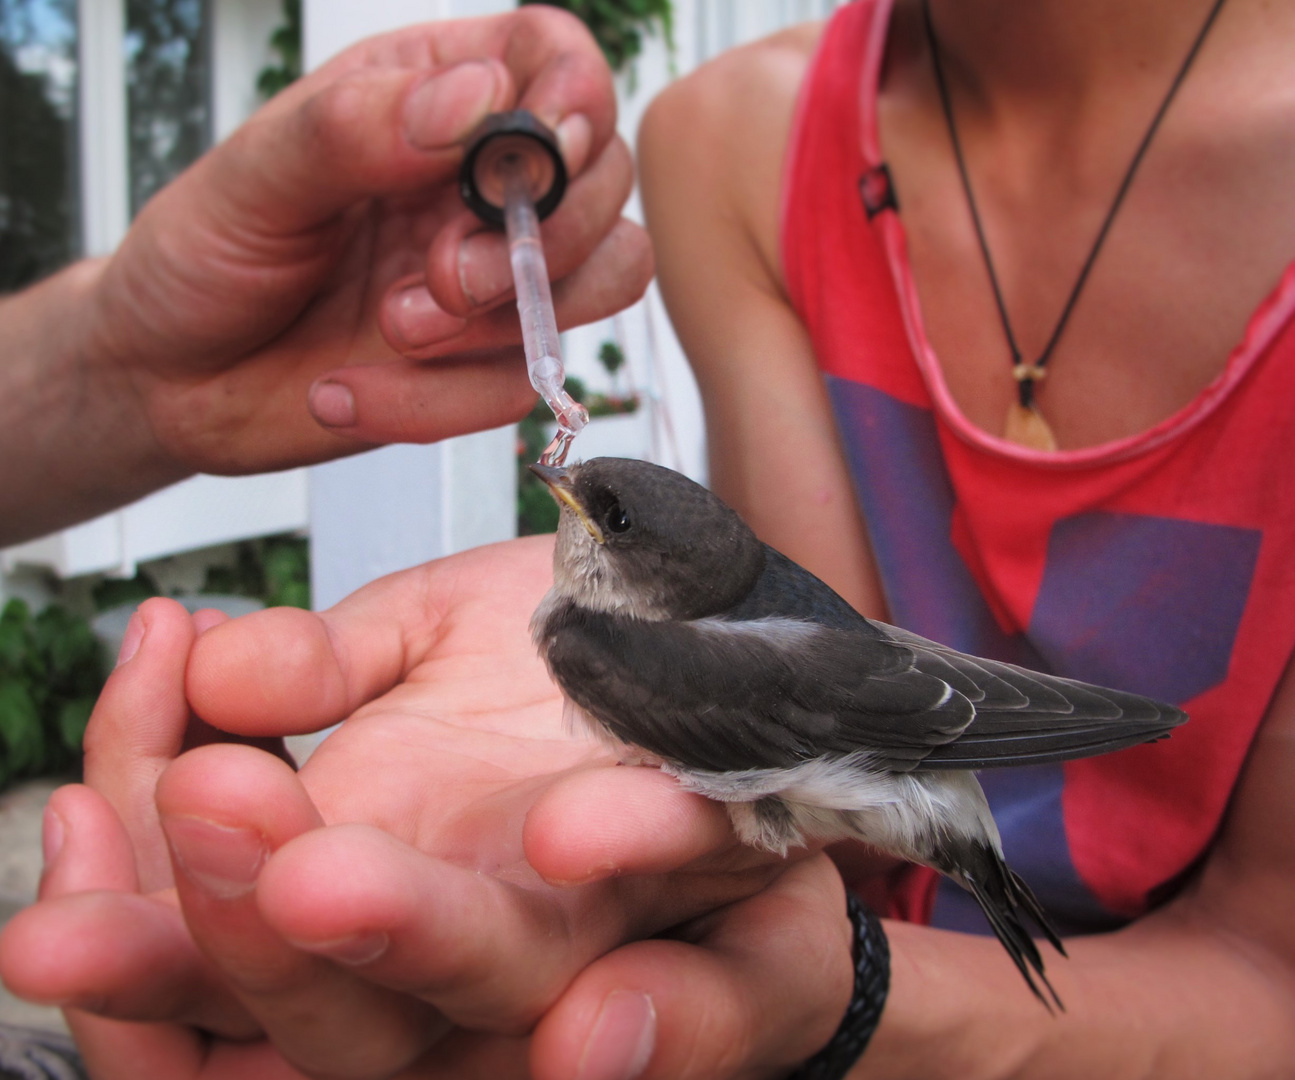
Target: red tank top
1163, 563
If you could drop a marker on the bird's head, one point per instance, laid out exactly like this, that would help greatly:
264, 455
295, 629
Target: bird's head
642, 540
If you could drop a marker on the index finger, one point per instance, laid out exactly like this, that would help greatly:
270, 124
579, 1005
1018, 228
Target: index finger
656, 827
285, 671
555, 63
390, 115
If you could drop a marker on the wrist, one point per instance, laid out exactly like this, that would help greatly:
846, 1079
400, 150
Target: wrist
955, 1011
871, 956
74, 435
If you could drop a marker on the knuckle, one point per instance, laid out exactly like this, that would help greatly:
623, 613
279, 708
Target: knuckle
328, 120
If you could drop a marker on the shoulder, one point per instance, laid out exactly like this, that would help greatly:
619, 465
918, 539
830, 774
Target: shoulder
737, 85
714, 141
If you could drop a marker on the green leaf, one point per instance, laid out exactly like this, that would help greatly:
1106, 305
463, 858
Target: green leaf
114, 592
13, 634
612, 357
72, 660
537, 512
20, 727
291, 594
286, 41
286, 562
618, 25
73, 717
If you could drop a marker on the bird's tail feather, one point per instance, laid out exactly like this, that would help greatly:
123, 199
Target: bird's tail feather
1006, 900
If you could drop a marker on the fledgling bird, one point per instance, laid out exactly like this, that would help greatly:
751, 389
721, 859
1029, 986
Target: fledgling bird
688, 643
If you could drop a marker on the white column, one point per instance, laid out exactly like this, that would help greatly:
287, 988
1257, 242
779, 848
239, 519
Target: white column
402, 505
240, 48
105, 198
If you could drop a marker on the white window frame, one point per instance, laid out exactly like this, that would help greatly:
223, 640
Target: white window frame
204, 510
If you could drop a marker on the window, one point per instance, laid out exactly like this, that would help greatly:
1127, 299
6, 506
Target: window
168, 80
40, 227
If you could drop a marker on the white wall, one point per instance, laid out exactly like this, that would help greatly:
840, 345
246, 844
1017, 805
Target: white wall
676, 433
204, 510
402, 505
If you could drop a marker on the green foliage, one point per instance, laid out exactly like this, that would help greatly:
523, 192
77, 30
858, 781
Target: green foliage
51, 672
275, 569
117, 592
618, 25
286, 41
612, 357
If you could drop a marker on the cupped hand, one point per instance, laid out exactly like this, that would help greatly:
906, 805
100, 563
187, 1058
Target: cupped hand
322, 253
418, 894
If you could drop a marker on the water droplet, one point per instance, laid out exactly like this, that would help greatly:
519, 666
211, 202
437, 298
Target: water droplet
555, 453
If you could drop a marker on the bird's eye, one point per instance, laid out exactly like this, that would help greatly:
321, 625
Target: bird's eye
616, 519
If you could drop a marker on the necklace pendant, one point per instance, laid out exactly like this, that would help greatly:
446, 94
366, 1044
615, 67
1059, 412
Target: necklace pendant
1026, 427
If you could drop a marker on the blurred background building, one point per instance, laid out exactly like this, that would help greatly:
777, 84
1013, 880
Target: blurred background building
104, 101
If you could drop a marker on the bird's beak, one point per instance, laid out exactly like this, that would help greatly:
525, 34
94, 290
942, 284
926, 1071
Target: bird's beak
559, 482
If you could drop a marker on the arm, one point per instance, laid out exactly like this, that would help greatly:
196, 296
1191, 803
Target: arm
319, 255
711, 183
1205, 986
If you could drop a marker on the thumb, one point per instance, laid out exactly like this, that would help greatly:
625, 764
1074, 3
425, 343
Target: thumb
752, 989
370, 132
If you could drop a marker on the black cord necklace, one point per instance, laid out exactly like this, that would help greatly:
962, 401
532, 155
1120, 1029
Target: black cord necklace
1025, 424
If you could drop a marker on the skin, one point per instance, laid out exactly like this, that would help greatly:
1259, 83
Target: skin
1204, 987
314, 285
1050, 102
485, 895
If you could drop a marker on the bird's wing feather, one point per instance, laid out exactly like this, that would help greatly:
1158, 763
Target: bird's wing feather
722, 694
713, 694
1021, 717
1025, 717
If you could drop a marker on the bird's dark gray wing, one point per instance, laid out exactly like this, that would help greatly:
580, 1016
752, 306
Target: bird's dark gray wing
714, 694
1021, 717
723, 694
1024, 717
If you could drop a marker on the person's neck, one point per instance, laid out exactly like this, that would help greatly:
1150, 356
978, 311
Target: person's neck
1059, 54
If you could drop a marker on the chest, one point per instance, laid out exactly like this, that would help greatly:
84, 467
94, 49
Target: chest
1204, 234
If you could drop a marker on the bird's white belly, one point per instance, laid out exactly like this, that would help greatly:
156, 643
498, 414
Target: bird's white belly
904, 814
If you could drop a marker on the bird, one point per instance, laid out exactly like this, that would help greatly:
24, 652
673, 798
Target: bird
681, 640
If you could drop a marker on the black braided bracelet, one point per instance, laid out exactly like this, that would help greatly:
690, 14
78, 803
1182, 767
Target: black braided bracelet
871, 984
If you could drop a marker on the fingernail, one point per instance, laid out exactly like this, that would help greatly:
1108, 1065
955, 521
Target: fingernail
356, 950
575, 135
131, 639
418, 320
52, 833
484, 270
221, 860
332, 404
584, 877
621, 1044
444, 110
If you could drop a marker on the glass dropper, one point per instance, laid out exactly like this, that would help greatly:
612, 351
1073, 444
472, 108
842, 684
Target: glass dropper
539, 325
513, 175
